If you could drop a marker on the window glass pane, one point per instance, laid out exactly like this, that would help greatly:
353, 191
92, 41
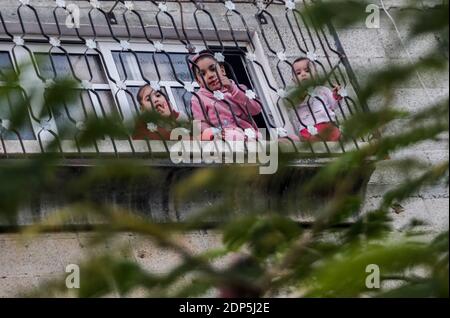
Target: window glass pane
80, 64
128, 68
5, 63
84, 106
183, 100
236, 69
179, 64
104, 103
132, 99
10, 100
71, 112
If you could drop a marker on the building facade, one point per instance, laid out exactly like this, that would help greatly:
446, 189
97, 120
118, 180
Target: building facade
112, 48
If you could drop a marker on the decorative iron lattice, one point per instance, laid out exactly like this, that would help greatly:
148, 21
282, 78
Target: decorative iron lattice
111, 49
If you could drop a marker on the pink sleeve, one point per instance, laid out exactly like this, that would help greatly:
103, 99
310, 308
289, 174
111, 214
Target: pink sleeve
197, 112
240, 98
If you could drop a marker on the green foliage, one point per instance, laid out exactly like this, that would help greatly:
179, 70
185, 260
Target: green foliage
341, 13
264, 235
344, 274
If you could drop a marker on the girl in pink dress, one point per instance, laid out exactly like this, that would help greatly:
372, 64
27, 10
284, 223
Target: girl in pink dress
223, 109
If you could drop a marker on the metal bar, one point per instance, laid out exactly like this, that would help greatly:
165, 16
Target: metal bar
185, 23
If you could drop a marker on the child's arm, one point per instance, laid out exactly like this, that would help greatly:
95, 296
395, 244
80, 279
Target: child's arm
207, 130
332, 97
197, 112
336, 95
240, 98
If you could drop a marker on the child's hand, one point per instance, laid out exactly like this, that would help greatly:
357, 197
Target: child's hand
226, 82
336, 90
211, 133
163, 110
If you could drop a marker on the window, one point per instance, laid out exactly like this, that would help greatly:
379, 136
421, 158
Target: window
74, 66
260, 39
5, 63
87, 103
115, 77
10, 99
169, 70
154, 66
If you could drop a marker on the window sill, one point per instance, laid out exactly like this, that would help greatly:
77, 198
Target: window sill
140, 149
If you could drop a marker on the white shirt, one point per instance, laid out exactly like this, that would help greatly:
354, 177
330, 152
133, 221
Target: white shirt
317, 108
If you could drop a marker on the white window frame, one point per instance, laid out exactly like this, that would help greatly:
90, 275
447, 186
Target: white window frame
272, 98
30, 82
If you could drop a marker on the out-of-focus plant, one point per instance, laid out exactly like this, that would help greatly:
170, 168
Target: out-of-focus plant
327, 258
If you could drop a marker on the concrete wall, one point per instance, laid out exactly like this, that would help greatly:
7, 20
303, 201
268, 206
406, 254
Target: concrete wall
26, 263
380, 47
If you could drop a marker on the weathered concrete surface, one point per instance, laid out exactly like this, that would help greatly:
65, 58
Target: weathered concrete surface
381, 47
27, 264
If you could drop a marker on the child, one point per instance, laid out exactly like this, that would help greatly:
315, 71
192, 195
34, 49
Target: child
152, 100
316, 112
224, 110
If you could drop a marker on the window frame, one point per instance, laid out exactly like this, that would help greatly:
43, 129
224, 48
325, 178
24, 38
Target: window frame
107, 46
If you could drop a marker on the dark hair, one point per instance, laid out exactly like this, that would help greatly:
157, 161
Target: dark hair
201, 55
303, 58
139, 93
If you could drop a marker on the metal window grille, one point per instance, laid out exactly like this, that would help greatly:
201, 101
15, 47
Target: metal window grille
112, 48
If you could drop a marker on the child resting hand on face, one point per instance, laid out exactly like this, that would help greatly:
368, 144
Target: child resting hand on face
223, 108
316, 111
152, 100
